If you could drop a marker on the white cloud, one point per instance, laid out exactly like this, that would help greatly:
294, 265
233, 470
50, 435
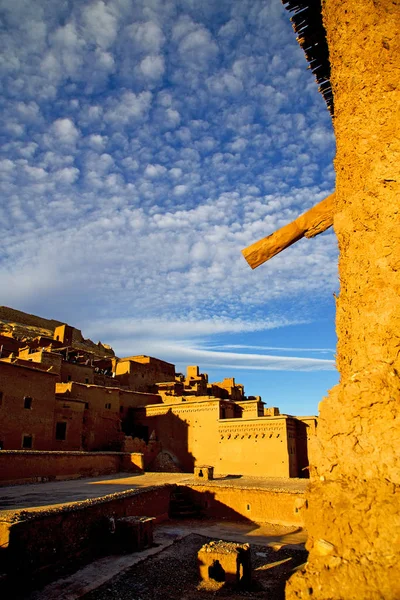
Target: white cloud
175, 173
64, 131
152, 67
97, 142
128, 108
67, 175
147, 36
154, 171
169, 339
146, 144
196, 45
180, 190
100, 24
172, 117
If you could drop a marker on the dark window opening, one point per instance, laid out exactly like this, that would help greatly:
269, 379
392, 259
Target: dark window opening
86, 405
136, 430
27, 441
69, 378
61, 431
108, 405
1, 398
86, 379
28, 402
121, 409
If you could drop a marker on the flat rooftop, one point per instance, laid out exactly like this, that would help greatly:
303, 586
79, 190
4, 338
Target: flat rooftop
52, 494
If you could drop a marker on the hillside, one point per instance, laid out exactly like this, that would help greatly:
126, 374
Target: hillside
26, 326
13, 316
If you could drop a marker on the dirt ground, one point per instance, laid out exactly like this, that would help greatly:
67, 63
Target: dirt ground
173, 575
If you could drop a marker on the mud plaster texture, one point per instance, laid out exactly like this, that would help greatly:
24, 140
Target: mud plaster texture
353, 515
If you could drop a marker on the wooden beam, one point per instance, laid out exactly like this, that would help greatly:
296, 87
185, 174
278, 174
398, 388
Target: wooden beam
316, 220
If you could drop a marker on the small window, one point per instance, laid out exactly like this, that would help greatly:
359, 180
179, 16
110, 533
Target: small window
108, 405
1, 398
121, 409
86, 379
86, 405
69, 378
61, 431
27, 403
27, 441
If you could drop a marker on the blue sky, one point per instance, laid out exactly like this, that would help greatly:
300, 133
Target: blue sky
144, 144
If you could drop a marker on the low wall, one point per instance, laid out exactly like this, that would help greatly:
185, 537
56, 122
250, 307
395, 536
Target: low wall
250, 504
36, 545
24, 466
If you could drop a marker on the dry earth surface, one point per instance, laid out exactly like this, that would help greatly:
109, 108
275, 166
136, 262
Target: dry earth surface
173, 575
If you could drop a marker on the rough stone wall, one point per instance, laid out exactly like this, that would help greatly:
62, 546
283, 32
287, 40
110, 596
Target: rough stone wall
353, 516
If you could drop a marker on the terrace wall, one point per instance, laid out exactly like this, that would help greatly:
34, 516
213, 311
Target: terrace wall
20, 466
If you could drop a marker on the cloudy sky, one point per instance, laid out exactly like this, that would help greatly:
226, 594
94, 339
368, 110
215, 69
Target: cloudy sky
144, 144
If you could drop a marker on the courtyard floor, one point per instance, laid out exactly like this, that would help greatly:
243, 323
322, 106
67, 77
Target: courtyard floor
56, 493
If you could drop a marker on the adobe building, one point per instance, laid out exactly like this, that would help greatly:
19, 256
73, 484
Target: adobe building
139, 404
210, 431
27, 405
95, 415
141, 373
9, 345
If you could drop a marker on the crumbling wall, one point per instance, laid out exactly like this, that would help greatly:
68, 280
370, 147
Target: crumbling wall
353, 517
69, 535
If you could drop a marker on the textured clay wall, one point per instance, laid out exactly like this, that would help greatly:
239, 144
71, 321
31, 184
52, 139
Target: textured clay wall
189, 430
73, 535
76, 372
17, 383
354, 504
251, 409
258, 506
25, 467
129, 399
140, 373
47, 359
256, 447
71, 413
101, 422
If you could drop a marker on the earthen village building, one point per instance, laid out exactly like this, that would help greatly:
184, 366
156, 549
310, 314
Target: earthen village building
59, 392
352, 513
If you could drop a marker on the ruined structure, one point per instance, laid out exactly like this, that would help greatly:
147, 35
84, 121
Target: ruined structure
353, 515
69, 398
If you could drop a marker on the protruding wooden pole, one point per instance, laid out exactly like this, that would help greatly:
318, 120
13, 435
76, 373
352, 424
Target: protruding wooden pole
316, 220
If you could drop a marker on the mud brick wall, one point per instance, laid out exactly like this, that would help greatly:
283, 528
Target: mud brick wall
354, 502
24, 466
258, 506
42, 543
